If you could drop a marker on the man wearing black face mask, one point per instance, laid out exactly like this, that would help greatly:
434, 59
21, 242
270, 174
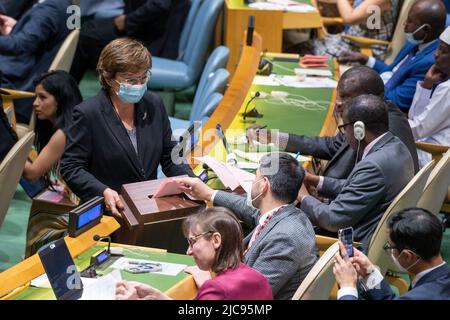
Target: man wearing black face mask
414, 243
425, 22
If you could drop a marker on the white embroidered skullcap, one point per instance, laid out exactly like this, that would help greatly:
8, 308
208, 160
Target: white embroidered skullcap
445, 36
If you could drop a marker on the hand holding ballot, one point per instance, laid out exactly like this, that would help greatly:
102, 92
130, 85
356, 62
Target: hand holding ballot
195, 188
168, 187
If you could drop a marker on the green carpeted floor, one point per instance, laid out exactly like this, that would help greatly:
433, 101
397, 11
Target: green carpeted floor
13, 230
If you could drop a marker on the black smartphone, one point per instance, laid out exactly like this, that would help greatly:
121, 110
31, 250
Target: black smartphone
346, 237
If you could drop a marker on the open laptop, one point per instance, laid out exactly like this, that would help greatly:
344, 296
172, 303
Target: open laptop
61, 271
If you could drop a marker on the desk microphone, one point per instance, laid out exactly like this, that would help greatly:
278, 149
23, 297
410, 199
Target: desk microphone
252, 113
96, 237
250, 29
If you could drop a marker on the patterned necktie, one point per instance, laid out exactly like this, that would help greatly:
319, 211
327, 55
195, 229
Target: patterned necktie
260, 227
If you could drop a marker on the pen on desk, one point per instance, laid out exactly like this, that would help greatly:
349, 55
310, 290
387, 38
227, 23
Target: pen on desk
222, 136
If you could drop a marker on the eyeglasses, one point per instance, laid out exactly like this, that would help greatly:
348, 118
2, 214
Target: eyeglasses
192, 240
388, 248
139, 80
342, 127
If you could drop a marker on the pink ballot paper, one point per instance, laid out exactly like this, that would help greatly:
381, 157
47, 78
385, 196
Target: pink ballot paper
230, 176
168, 187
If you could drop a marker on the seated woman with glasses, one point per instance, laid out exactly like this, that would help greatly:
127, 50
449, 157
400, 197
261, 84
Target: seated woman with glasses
121, 135
215, 241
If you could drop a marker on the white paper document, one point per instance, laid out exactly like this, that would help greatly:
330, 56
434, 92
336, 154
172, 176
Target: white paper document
103, 288
283, 5
314, 72
168, 269
309, 82
265, 81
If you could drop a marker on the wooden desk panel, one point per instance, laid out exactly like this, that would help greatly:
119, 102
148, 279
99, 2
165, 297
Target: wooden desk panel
27, 270
268, 23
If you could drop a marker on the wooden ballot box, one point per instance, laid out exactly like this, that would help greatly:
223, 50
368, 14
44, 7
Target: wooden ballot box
154, 222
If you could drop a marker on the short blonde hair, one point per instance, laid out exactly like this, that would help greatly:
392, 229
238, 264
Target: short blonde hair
122, 55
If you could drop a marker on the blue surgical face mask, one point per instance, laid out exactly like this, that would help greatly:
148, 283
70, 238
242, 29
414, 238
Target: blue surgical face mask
131, 93
410, 36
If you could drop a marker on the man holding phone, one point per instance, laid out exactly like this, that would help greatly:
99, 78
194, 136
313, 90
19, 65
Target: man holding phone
414, 243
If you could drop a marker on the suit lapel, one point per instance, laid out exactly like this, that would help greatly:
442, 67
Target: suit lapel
338, 154
434, 275
406, 67
143, 141
389, 136
401, 55
118, 130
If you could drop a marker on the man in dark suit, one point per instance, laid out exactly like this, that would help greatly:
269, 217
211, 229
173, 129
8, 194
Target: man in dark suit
157, 23
384, 167
282, 244
354, 82
425, 22
15, 8
28, 47
415, 237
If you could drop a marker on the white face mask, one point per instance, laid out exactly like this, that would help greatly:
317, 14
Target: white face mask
399, 266
249, 196
410, 36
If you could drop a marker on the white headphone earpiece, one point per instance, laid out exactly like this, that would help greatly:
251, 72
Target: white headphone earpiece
359, 130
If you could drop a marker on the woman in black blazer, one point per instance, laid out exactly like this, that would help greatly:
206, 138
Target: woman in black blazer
121, 135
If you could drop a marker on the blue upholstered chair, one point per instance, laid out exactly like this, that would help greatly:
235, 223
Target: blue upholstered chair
185, 33
194, 44
447, 6
216, 83
218, 59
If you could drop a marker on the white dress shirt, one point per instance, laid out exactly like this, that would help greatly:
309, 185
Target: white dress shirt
429, 118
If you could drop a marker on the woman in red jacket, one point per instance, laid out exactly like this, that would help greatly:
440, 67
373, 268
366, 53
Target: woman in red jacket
215, 242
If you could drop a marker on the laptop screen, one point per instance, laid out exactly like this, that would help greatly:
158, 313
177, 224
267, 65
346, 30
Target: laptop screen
61, 271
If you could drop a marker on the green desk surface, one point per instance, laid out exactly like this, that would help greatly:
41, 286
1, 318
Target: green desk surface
303, 112
240, 4
161, 282
291, 115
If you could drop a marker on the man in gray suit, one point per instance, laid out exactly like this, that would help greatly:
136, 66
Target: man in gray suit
384, 168
354, 82
282, 245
